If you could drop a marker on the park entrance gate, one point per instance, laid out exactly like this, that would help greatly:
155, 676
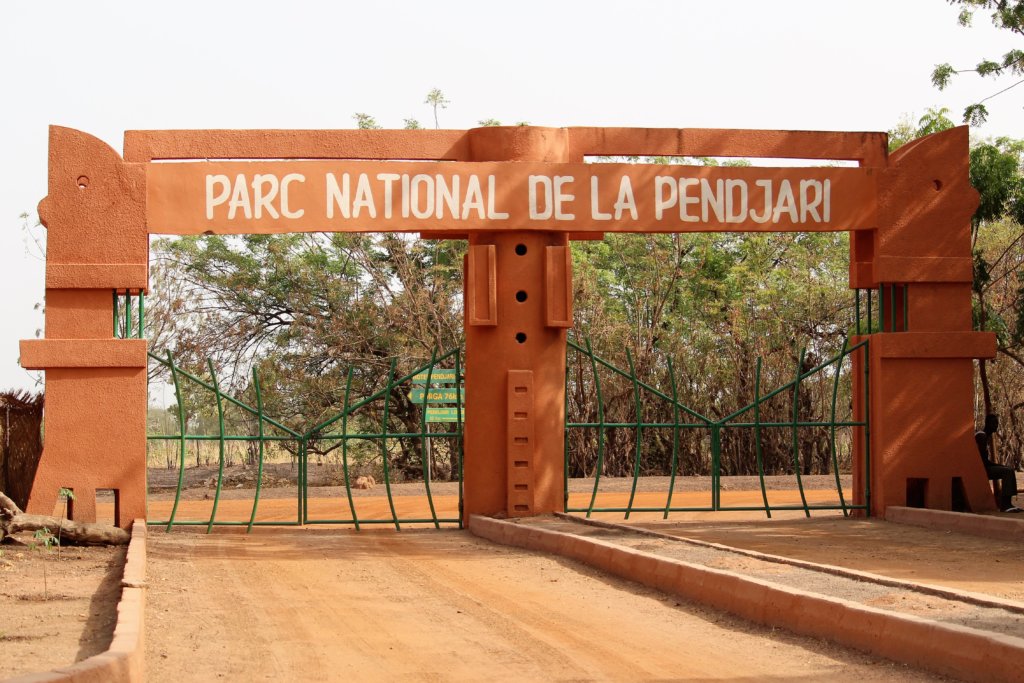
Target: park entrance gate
519, 195
343, 434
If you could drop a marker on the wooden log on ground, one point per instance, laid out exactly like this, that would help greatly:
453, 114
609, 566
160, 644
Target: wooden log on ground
13, 520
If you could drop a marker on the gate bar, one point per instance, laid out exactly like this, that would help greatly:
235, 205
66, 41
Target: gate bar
796, 438
220, 427
835, 456
757, 437
638, 431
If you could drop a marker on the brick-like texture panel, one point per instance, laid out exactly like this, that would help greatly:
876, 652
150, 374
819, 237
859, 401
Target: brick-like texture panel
951, 650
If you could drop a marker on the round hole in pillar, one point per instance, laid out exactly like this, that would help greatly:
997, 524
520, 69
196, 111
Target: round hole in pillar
520, 250
521, 337
521, 296
83, 182
938, 185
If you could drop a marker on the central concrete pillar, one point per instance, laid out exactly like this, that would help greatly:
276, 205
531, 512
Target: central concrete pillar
518, 306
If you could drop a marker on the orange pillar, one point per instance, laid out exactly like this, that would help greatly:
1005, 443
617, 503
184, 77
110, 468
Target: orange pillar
95, 417
922, 380
518, 306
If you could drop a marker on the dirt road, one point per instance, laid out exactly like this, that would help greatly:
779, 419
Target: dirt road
331, 604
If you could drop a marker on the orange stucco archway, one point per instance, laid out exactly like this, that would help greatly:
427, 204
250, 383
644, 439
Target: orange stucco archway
519, 194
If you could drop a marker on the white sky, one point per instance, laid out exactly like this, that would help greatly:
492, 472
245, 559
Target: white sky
106, 67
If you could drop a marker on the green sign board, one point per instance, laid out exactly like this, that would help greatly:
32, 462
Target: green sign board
440, 395
437, 376
444, 414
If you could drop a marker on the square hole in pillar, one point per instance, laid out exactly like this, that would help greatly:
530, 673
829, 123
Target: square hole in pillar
64, 506
917, 492
108, 506
958, 496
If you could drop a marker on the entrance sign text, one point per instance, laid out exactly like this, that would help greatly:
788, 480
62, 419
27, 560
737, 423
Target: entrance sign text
359, 196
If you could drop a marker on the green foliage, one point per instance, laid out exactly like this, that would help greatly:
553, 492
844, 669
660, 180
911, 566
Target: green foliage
934, 120
44, 538
303, 309
996, 174
942, 75
365, 121
488, 122
411, 124
1004, 14
437, 100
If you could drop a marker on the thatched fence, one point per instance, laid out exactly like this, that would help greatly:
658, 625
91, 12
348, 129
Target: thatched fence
21, 442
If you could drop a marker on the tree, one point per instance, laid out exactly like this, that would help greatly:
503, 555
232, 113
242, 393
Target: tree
934, 120
436, 98
304, 309
411, 124
996, 172
365, 122
1005, 14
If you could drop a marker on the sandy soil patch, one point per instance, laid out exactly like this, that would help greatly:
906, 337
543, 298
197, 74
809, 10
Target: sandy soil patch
328, 604
73, 621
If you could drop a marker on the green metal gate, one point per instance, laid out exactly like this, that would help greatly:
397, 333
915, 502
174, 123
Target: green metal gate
684, 419
346, 429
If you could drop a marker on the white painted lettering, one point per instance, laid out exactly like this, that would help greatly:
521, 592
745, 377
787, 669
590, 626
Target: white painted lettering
285, 182
625, 200
562, 197
474, 200
826, 212
405, 195
663, 201
492, 193
446, 196
262, 200
389, 194
685, 200
239, 198
595, 210
212, 199
337, 196
713, 199
735, 211
426, 210
363, 198
809, 207
786, 203
544, 183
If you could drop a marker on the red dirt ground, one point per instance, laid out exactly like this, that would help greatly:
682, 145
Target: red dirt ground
323, 603
428, 605
424, 605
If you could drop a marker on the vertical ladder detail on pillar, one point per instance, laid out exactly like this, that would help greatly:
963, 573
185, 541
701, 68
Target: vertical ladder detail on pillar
521, 443
482, 285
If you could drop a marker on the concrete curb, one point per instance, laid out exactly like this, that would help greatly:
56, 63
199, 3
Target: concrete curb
125, 659
947, 649
979, 599
1003, 528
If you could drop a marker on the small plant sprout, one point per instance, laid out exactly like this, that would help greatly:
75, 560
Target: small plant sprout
64, 495
44, 538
